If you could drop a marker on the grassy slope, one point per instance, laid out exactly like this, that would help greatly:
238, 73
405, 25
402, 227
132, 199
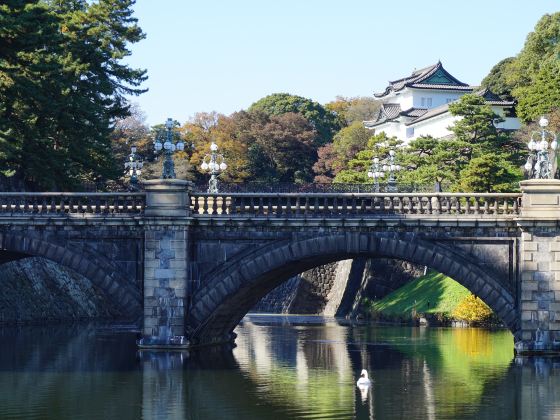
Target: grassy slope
432, 293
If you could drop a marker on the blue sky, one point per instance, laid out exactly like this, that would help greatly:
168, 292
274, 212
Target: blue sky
223, 55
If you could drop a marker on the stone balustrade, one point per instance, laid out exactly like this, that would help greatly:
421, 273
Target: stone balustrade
348, 204
271, 204
61, 203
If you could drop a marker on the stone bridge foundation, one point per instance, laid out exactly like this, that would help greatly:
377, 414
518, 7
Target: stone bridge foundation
539, 291
165, 264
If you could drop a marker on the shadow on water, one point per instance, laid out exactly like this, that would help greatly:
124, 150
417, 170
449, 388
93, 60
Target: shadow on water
281, 368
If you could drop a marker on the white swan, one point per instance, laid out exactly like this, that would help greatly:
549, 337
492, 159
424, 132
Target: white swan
364, 379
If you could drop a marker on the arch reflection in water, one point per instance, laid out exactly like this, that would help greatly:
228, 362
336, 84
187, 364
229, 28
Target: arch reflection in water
282, 368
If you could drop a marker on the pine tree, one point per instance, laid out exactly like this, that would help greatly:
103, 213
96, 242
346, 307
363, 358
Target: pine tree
29, 78
62, 86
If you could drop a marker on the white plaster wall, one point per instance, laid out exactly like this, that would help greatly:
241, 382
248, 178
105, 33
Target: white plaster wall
405, 99
438, 97
391, 129
435, 127
510, 123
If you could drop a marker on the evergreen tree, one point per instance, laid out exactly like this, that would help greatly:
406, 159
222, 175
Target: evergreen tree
29, 81
497, 79
63, 86
357, 168
543, 95
489, 173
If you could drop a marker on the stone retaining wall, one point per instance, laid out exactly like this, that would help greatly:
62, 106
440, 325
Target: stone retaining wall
336, 288
36, 290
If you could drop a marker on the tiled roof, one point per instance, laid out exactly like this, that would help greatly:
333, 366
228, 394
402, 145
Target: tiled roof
430, 75
441, 87
387, 112
492, 99
438, 110
390, 112
414, 112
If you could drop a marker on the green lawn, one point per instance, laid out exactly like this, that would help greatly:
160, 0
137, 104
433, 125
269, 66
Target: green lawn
432, 293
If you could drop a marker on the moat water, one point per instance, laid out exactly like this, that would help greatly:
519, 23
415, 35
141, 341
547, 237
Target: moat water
282, 368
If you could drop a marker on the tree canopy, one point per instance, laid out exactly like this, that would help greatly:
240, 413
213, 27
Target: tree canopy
62, 87
325, 122
532, 76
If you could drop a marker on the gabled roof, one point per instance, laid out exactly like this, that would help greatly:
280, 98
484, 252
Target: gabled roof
431, 77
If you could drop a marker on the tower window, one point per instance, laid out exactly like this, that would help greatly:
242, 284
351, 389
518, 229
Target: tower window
426, 102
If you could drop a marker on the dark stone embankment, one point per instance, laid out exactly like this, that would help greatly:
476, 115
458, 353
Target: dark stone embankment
336, 289
39, 291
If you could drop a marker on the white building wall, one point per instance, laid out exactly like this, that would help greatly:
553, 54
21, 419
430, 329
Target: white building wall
436, 127
391, 129
404, 98
510, 123
437, 97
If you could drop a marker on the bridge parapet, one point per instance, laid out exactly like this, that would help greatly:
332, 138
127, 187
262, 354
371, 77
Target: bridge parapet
64, 203
362, 204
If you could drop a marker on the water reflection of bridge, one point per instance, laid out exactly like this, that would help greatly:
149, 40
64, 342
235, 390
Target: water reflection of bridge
285, 371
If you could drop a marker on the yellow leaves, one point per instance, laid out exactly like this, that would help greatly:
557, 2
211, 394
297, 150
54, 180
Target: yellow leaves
473, 310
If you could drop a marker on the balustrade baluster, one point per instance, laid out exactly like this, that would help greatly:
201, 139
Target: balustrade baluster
344, 206
468, 205
260, 210
353, 205
194, 204
25, 202
486, 207
288, 211
270, 206
399, 206
476, 208
214, 204
205, 204
297, 206
411, 209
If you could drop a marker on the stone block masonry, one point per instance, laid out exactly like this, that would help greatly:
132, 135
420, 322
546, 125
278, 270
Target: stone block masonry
540, 288
165, 282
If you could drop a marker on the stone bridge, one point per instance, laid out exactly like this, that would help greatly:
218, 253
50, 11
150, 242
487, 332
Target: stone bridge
197, 263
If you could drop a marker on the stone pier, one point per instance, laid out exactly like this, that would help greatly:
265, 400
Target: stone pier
539, 295
165, 264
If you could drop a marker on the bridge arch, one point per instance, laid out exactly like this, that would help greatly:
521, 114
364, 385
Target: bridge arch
229, 293
95, 267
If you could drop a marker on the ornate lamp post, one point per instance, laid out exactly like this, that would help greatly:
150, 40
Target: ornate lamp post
165, 141
541, 163
392, 167
375, 172
378, 169
215, 164
133, 166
